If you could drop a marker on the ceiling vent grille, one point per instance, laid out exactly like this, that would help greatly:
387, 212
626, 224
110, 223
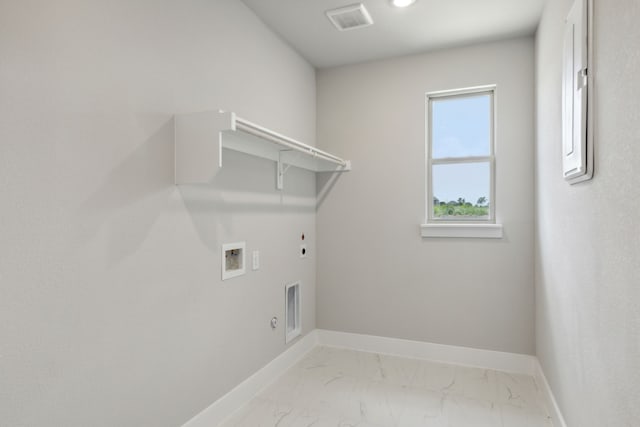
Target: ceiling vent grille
349, 17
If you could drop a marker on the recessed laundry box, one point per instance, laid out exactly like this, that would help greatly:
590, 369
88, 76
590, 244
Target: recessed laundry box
292, 311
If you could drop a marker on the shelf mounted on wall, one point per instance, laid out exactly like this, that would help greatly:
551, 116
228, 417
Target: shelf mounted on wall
200, 138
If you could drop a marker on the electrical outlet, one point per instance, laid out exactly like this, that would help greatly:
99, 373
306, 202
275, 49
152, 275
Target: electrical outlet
255, 264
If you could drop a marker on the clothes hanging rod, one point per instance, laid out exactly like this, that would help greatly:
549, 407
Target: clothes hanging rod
259, 131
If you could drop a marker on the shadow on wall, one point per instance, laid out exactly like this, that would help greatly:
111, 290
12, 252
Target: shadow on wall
245, 185
132, 197
324, 183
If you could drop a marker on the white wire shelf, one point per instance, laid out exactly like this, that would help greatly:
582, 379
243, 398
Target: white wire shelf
200, 138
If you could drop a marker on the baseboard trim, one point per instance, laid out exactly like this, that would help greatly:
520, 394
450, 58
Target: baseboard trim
550, 399
487, 359
224, 407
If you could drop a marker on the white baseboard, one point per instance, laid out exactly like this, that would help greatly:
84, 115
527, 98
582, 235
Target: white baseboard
487, 359
550, 400
224, 407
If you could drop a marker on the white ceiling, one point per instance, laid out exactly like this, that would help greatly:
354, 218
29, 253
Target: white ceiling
427, 25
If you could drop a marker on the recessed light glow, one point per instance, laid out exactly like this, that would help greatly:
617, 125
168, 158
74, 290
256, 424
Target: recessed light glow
402, 3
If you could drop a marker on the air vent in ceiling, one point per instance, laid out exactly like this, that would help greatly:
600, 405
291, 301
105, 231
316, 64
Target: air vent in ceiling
350, 17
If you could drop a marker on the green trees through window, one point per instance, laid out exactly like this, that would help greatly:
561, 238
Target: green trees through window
460, 208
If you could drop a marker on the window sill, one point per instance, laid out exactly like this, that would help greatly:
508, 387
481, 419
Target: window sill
479, 231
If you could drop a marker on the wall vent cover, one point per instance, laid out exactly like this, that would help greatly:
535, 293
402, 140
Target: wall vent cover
350, 17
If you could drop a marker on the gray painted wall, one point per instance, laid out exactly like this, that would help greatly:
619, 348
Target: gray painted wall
587, 237
112, 311
376, 275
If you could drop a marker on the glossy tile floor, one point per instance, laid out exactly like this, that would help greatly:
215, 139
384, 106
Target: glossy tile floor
345, 388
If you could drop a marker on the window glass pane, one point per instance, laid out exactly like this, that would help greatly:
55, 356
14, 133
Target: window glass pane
461, 190
461, 126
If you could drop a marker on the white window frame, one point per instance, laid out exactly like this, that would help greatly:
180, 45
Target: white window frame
463, 227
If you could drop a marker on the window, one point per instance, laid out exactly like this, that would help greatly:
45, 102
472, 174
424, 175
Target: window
461, 163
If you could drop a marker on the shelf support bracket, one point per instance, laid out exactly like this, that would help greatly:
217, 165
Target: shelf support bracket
282, 169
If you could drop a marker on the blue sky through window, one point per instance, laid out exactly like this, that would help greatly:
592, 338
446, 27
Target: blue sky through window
469, 181
461, 127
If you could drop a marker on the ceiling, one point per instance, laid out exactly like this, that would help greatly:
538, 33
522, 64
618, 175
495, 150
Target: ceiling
426, 25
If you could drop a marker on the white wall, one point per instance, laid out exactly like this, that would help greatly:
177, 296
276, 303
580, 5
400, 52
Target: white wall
587, 238
376, 275
112, 311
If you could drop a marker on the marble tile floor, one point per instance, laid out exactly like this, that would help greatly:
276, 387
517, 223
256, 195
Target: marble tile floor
345, 388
